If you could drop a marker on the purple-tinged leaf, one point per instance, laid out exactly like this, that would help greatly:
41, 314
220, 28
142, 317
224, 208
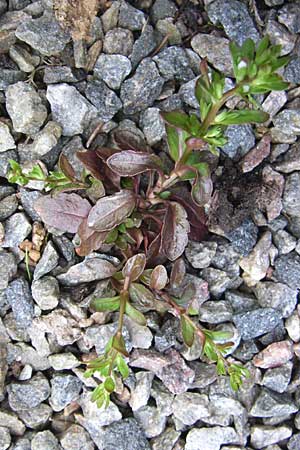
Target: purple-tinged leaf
175, 231
66, 167
90, 239
134, 267
111, 210
129, 163
177, 273
202, 190
64, 211
159, 278
128, 140
196, 214
92, 162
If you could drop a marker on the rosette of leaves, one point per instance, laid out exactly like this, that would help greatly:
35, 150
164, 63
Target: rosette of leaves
140, 290
144, 207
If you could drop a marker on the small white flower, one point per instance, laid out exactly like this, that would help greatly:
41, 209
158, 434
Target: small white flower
242, 64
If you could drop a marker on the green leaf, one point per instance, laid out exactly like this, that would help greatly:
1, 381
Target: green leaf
221, 367
236, 117
194, 125
262, 46
218, 335
112, 236
122, 366
202, 91
235, 53
188, 331
176, 118
209, 351
37, 173
118, 344
134, 314
248, 49
109, 385
173, 142
106, 304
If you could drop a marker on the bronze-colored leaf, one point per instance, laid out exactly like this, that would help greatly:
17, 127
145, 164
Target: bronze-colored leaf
66, 167
175, 231
159, 278
130, 163
64, 211
111, 210
93, 163
134, 267
177, 273
90, 239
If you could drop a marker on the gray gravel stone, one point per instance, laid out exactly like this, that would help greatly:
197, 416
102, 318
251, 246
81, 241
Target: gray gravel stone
271, 404
240, 140
131, 18
289, 16
10, 76
44, 35
294, 442
244, 237
63, 361
215, 49
45, 292
278, 378
291, 195
142, 89
64, 390
22, 444
280, 36
44, 440
257, 322
284, 241
235, 19
69, 108
8, 206
76, 438
151, 420
28, 394
112, 69
173, 63
276, 295
20, 300
62, 74
11, 421
200, 254
166, 440
125, 434
48, 261
104, 99
219, 281
144, 45
210, 438
190, 407
152, 125
215, 312
262, 435
4, 161
37, 417
86, 271
141, 392
118, 41
17, 228
8, 268
289, 121
5, 438
25, 108
162, 9
110, 17
44, 141
287, 270
6, 140
25, 61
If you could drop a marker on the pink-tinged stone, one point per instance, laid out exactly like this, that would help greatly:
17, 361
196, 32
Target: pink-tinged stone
274, 355
256, 264
170, 368
257, 154
276, 181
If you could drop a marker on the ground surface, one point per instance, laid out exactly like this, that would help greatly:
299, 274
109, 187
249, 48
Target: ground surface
53, 94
